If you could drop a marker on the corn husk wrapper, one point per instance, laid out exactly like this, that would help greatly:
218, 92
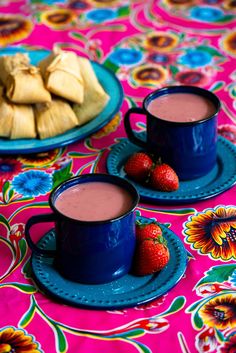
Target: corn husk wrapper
23, 82
62, 75
6, 117
54, 118
95, 98
23, 123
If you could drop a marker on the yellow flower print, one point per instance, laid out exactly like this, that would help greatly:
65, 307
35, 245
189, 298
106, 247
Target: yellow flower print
229, 43
14, 28
149, 75
160, 41
213, 232
57, 19
15, 340
104, 3
220, 312
229, 4
108, 128
179, 3
40, 159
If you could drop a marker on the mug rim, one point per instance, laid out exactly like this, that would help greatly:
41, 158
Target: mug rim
183, 89
106, 177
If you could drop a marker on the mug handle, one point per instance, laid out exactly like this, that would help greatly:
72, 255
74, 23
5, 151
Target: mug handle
132, 137
48, 217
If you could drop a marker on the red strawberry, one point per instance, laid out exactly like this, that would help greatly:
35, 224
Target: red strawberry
138, 166
151, 255
146, 231
164, 178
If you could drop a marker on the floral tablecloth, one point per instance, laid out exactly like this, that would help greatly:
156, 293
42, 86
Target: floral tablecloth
146, 44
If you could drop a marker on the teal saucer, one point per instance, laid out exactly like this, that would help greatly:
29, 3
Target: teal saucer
128, 291
221, 178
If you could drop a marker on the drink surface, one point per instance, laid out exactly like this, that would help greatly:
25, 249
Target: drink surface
181, 107
94, 201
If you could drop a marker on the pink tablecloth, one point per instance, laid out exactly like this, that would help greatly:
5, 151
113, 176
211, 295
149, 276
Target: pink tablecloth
147, 44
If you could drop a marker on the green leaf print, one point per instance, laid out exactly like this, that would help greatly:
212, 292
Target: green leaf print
61, 339
62, 175
218, 274
25, 320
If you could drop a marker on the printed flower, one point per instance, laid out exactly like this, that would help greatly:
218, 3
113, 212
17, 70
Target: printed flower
8, 168
229, 43
40, 159
101, 15
228, 131
17, 341
148, 75
190, 77
220, 312
229, 345
213, 232
179, 3
108, 128
57, 19
14, 28
161, 41
32, 183
229, 4
194, 58
206, 13
206, 340
159, 58
102, 3
126, 57
78, 5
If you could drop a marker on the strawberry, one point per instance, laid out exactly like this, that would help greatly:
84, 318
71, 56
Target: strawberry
151, 255
138, 166
148, 230
164, 178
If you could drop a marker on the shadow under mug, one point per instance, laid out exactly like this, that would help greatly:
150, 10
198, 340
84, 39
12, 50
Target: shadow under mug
90, 252
190, 148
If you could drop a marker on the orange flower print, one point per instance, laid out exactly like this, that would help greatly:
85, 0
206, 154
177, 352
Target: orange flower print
213, 232
57, 19
14, 28
229, 43
179, 3
149, 75
220, 312
15, 340
161, 41
108, 128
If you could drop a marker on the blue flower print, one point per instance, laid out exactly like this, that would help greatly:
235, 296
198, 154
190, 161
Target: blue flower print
159, 58
32, 183
126, 57
206, 13
101, 15
195, 58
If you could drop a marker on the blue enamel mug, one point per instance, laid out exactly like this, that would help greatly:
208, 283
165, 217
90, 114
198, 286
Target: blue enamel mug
189, 147
90, 251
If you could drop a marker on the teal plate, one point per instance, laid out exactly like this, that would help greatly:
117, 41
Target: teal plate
109, 82
221, 177
127, 291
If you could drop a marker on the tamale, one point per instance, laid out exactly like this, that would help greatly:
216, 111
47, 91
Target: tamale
62, 76
23, 82
6, 117
23, 123
95, 98
54, 118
